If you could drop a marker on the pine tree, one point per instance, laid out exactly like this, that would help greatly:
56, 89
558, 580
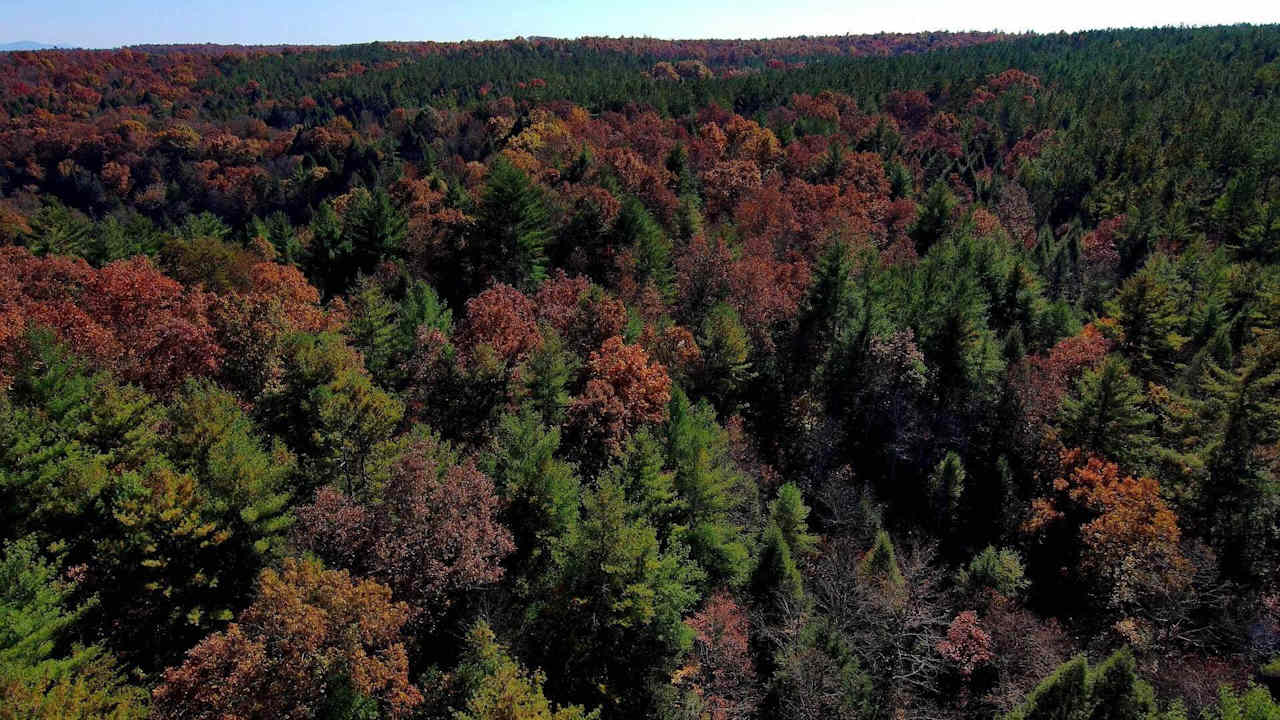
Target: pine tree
651, 250
1117, 693
59, 230
615, 620
35, 619
373, 328
934, 218
1241, 499
547, 375
508, 242
1061, 696
710, 490
1110, 691
946, 490
639, 468
328, 256
790, 514
1255, 703
776, 582
1104, 414
999, 570
212, 438
726, 351
421, 307
818, 676
373, 231
542, 492
328, 410
1147, 312
880, 564
496, 687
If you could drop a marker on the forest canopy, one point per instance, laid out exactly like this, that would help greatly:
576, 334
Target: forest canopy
869, 377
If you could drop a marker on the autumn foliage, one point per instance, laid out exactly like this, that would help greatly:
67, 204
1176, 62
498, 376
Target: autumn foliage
625, 389
813, 378
310, 636
127, 317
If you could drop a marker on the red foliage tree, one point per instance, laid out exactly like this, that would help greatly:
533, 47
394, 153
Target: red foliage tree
1098, 248
127, 317
253, 322
719, 668
1128, 536
309, 633
967, 644
625, 391
504, 319
1040, 381
432, 532
582, 313
910, 107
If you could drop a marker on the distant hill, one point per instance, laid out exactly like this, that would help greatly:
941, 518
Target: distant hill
25, 45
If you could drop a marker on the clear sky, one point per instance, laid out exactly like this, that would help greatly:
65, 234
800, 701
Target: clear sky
109, 23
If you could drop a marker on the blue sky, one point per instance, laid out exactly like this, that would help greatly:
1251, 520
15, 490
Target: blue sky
109, 23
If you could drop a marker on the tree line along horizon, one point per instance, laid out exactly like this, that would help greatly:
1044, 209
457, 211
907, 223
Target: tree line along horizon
892, 376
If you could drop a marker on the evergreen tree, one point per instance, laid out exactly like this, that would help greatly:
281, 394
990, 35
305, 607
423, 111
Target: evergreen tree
373, 230
59, 230
421, 307
640, 470
1064, 695
1075, 691
328, 257
615, 623
508, 242
1104, 414
1117, 693
998, 570
880, 564
547, 375
710, 489
776, 582
1241, 500
212, 438
373, 327
1255, 703
933, 220
328, 411
496, 687
35, 620
541, 491
726, 350
790, 514
818, 676
1146, 310
635, 229
946, 490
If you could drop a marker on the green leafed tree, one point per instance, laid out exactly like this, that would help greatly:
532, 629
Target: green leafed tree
1111, 690
651, 250
1105, 414
711, 491
508, 241
496, 687
791, 515
614, 620
777, 582
43, 675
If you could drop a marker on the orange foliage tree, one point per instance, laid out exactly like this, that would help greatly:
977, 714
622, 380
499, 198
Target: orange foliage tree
1127, 536
313, 641
625, 391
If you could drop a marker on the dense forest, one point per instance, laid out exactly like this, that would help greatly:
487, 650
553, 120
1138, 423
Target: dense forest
898, 377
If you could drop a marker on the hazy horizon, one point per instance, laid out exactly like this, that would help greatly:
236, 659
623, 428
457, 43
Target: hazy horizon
78, 24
